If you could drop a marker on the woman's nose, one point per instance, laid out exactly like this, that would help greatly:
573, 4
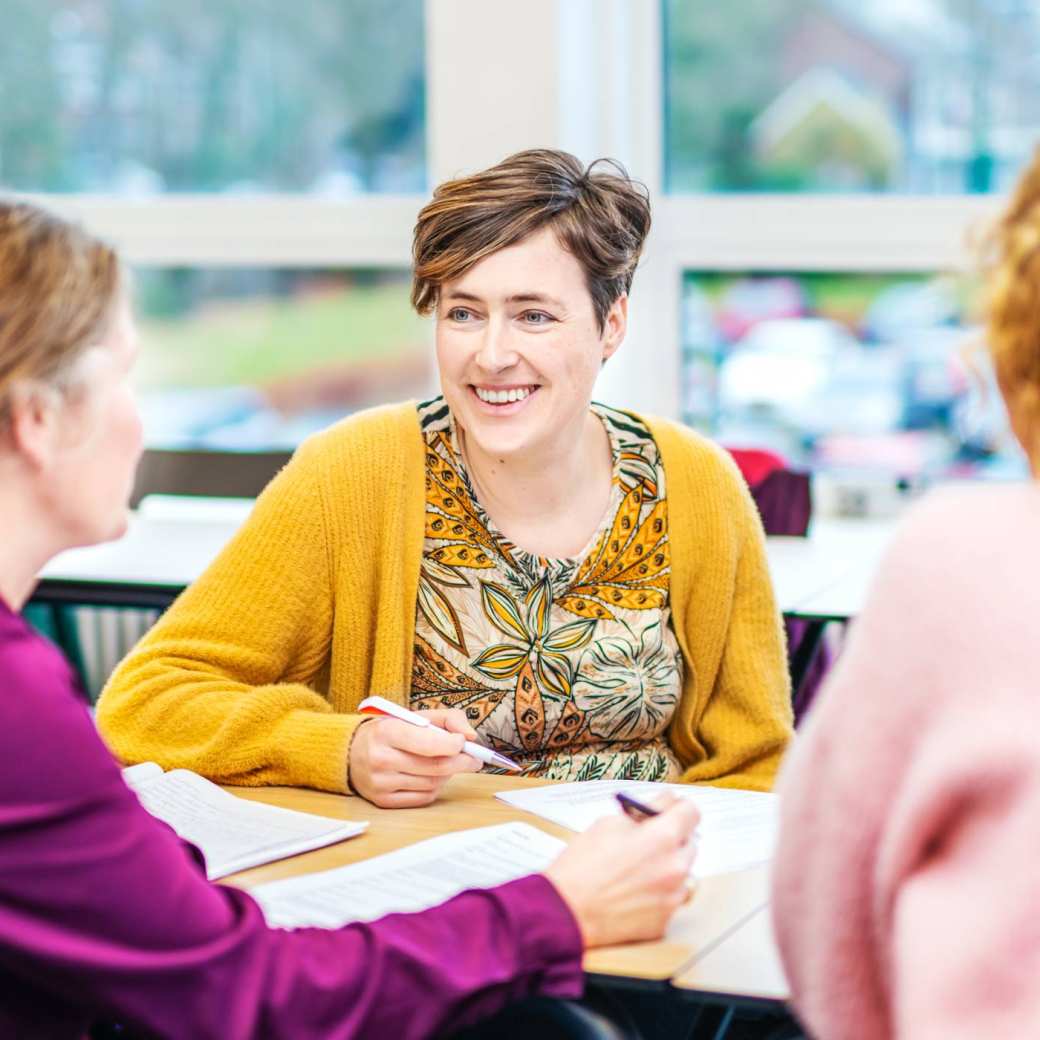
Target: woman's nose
495, 352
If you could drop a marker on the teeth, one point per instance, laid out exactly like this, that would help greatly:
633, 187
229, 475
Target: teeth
503, 396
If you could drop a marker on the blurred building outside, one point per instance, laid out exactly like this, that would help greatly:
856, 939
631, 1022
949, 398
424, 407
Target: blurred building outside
833, 95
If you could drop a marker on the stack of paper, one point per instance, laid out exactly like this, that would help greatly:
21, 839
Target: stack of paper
737, 829
232, 833
410, 879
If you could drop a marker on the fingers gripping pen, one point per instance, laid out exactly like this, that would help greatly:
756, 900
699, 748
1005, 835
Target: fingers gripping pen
381, 706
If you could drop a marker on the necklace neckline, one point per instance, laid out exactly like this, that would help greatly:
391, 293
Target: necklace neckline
458, 443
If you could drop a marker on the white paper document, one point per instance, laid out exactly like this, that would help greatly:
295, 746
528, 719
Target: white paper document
233, 834
737, 829
410, 879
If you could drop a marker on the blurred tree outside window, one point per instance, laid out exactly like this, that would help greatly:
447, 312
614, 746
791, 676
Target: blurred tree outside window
838, 95
135, 97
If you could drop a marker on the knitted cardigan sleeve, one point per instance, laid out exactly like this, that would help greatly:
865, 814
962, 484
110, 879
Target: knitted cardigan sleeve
746, 721
226, 682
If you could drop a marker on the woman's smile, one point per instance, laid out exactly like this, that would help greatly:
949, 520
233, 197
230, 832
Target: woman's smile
503, 400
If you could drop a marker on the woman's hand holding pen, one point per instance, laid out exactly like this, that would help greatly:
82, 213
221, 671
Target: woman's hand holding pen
396, 765
623, 880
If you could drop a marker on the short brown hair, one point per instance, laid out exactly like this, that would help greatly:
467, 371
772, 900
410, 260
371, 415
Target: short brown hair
1013, 297
599, 214
58, 286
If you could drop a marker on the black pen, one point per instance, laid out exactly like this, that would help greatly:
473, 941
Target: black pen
634, 808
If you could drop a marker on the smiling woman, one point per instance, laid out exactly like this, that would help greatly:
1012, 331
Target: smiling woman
579, 587
517, 367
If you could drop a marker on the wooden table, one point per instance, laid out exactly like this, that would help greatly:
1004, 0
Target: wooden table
719, 907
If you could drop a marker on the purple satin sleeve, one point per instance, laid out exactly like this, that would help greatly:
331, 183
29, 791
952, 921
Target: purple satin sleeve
106, 914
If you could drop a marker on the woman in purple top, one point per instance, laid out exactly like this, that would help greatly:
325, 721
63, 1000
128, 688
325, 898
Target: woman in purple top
104, 913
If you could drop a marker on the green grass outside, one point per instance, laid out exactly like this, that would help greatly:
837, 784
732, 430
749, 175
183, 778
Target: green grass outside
827, 291
254, 341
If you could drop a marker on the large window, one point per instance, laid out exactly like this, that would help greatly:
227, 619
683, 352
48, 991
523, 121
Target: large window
137, 97
841, 95
225, 146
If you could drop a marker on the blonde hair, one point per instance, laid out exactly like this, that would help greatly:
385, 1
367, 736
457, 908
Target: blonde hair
1012, 262
599, 214
58, 288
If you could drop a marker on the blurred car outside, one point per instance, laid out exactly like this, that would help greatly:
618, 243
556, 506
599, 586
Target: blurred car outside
749, 301
813, 375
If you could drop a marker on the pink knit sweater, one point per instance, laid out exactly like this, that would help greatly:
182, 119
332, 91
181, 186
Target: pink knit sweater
907, 882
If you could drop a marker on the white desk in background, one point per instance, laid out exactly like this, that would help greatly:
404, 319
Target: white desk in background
171, 541
743, 964
821, 578
827, 574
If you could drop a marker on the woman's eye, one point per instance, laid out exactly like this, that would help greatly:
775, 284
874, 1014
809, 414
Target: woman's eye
459, 314
536, 318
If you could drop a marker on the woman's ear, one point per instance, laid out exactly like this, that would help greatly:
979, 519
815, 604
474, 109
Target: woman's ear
33, 425
615, 325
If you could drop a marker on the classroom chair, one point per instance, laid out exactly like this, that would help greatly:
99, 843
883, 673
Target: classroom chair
234, 474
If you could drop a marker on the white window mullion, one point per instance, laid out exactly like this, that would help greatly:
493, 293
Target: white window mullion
491, 82
267, 231
823, 232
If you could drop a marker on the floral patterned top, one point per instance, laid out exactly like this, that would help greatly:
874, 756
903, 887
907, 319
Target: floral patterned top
570, 666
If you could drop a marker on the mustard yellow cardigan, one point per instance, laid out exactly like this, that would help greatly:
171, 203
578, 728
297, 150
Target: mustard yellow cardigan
254, 674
